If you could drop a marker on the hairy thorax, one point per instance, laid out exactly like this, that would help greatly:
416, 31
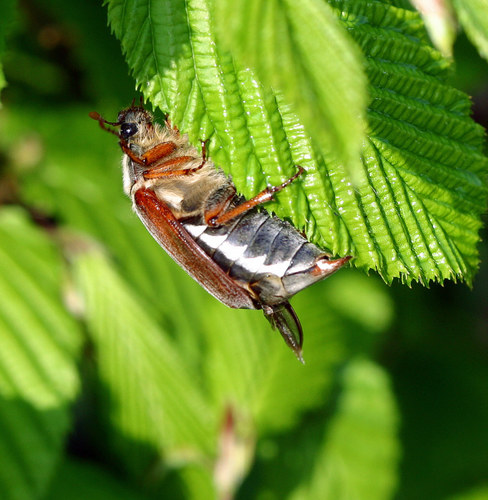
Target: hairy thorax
186, 195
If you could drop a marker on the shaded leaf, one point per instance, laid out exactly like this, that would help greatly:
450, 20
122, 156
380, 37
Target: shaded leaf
359, 455
473, 16
250, 369
148, 390
81, 480
39, 347
93, 50
7, 12
347, 449
479, 493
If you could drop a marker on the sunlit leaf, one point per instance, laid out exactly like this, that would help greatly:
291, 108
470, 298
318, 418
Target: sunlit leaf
294, 49
414, 209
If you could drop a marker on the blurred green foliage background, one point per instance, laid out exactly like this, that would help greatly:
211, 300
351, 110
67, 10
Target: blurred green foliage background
119, 377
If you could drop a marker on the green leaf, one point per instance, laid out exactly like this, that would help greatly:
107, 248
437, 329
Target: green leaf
81, 480
39, 349
425, 187
347, 449
414, 211
249, 369
84, 192
7, 14
148, 389
473, 16
294, 49
197, 484
359, 454
479, 493
440, 24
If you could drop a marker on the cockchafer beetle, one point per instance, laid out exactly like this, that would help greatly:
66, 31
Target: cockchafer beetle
244, 257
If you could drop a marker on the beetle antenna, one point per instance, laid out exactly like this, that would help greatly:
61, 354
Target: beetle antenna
101, 121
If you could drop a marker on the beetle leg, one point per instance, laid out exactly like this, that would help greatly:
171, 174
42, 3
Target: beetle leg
204, 150
154, 155
219, 202
262, 197
284, 318
130, 153
167, 168
158, 152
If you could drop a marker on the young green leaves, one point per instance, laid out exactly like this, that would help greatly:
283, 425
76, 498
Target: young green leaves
410, 207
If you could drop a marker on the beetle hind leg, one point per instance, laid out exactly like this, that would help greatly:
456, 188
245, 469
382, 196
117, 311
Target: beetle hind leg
264, 196
283, 317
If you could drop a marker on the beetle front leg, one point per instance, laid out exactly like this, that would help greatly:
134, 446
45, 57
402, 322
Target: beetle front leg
150, 157
169, 168
264, 196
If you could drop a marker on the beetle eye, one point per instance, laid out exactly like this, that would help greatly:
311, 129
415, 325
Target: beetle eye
128, 130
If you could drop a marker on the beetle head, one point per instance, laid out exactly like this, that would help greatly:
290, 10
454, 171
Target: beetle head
132, 120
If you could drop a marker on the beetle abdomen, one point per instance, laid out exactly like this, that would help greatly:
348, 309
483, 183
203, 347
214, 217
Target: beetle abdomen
262, 252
